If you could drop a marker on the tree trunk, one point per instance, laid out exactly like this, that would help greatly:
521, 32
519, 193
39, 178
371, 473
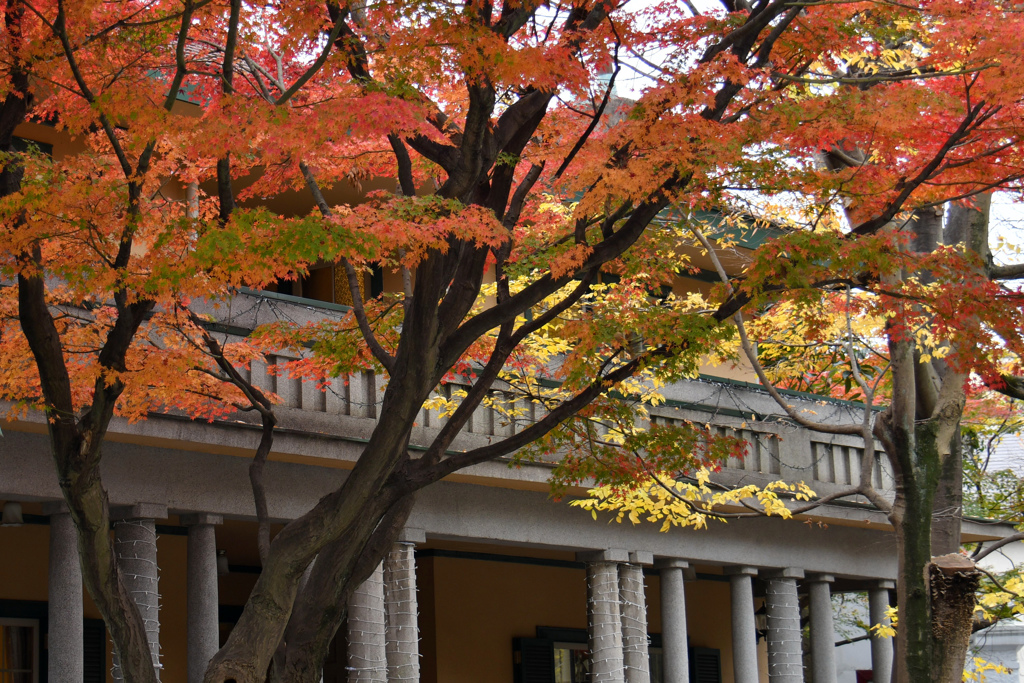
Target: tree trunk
952, 583
935, 596
911, 518
948, 505
247, 655
320, 607
356, 509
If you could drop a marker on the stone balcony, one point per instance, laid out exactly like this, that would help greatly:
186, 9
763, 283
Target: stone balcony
347, 408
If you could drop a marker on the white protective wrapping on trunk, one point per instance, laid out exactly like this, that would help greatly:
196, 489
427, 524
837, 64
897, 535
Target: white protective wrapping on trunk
135, 549
367, 660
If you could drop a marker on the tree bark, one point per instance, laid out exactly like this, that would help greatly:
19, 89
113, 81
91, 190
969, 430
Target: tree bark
952, 583
320, 607
354, 511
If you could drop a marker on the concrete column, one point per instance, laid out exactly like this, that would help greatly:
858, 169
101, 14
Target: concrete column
881, 648
633, 613
823, 635
65, 656
135, 547
744, 628
785, 646
367, 656
402, 647
202, 595
675, 658
604, 617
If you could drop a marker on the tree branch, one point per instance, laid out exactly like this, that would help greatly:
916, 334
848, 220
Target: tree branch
258, 401
593, 121
748, 350
1013, 271
978, 555
358, 309
315, 66
566, 409
975, 117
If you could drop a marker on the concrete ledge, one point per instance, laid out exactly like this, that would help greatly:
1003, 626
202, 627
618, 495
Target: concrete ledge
740, 570
641, 557
671, 563
55, 507
609, 555
412, 535
138, 511
784, 573
815, 577
196, 518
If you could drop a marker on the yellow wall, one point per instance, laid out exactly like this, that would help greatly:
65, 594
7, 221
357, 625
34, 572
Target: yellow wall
23, 573
480, 606
470, 610
24, 576
171, 553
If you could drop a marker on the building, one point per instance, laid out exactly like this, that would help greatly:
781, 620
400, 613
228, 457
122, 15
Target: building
504, 584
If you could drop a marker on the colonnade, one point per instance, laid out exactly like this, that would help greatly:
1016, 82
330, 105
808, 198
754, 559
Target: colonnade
616, 616
783, 629
383, 636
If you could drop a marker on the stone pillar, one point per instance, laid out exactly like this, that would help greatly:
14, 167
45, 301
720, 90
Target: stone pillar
881, 648
135, 548
633, 612
785, 645
402, 647
367, 657
744, 628
823, 635
675, 658
604, 617
202, 598
65, 655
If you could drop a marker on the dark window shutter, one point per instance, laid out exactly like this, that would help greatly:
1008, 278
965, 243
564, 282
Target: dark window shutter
95, 651
705, 665
533, 660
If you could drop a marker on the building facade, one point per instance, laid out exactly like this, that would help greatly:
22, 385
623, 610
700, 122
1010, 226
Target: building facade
492, 581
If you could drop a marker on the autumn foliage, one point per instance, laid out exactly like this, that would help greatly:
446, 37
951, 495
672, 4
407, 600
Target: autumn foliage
528, 171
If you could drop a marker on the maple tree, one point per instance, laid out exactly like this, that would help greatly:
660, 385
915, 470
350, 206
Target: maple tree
919, 328
490, 119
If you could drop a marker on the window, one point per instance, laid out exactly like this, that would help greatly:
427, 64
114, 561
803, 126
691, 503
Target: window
19, 651
572, 663
560, 655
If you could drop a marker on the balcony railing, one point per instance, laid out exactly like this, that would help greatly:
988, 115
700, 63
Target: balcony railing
775, 447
